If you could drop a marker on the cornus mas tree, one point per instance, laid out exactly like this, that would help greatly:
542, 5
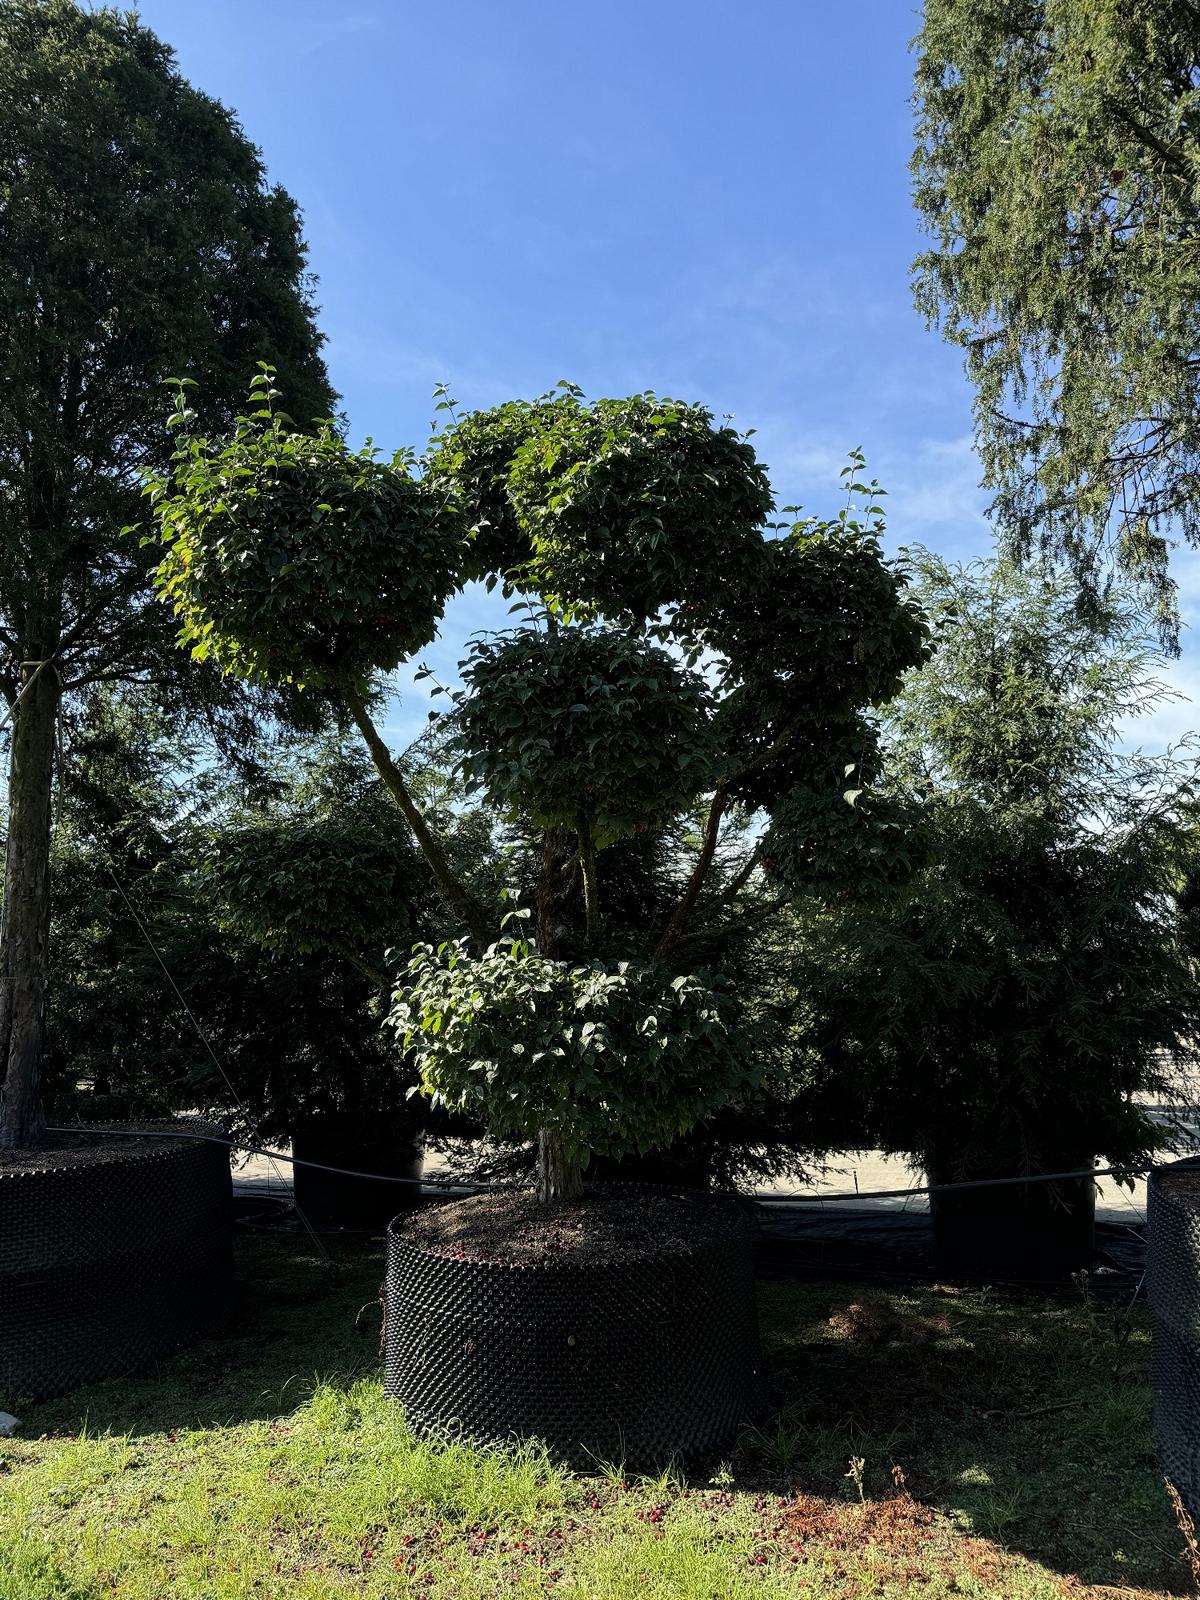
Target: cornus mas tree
683, 656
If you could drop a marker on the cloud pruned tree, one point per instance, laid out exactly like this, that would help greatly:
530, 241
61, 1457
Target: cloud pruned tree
629, 524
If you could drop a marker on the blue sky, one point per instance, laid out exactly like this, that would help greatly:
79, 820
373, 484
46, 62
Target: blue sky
704, 198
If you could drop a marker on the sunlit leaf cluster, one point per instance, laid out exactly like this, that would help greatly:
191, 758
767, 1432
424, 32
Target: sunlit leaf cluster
293, 559
610, 1059
584, 726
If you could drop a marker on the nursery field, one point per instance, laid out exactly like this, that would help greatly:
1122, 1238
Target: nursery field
921, 1442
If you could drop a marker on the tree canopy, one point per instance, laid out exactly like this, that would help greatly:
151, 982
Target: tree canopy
1057, 159
139, 240
637, 529
1005, 1010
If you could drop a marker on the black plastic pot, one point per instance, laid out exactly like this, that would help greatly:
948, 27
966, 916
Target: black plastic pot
1028, 1230
110, 1260
1173, 1290
638, 1361
362, 1144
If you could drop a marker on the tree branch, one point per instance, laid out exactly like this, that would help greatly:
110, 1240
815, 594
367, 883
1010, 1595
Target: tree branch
455, 894
679, 917
591, 893
374, 974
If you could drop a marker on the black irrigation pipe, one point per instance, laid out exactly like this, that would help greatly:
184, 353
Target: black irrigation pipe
460, 1185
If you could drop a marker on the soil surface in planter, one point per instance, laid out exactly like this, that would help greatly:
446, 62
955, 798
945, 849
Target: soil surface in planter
73, 1150
608, 1224
1182, 1185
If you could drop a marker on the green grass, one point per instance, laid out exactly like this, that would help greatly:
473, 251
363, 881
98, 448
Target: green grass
269, 1464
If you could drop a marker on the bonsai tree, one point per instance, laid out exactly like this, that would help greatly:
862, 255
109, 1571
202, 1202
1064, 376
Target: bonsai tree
637, 533
140, 237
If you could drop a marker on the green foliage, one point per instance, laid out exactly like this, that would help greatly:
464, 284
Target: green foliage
824, 606
583, 727
817, 628
472, 460
609, 1059
293, 559
842, 833
1031, 980
140, 238
133, 874
633, 521
632, 505
298, 884
1058, 147
622, 507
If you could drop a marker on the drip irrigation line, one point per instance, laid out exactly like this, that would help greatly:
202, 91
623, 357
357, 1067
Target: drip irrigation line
461, 1185
1137, 1170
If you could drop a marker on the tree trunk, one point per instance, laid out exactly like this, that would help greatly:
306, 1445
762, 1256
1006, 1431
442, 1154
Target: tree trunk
557, 1177
25, 923
556, 889
591, 889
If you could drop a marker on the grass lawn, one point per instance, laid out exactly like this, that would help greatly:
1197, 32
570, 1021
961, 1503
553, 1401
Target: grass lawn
924, 1443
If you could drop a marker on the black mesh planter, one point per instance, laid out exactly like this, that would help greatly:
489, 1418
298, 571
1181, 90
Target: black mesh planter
1173, 1289
1019, 1230
639, 1360
110, 1256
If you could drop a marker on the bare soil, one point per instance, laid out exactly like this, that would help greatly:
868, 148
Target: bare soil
74, 1150
1184, 1183
606, 1225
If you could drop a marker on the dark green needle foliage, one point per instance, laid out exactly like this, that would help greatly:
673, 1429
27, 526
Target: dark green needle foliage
301, 883
1008, 1007
295, 1032
1058, 150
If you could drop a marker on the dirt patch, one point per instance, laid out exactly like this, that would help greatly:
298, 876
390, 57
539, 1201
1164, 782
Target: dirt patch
870, 1322
913, 1539
902, 1524
605, 1225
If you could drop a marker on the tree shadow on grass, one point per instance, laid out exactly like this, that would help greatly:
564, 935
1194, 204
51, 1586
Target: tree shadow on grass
1025, 1418
297, 1320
